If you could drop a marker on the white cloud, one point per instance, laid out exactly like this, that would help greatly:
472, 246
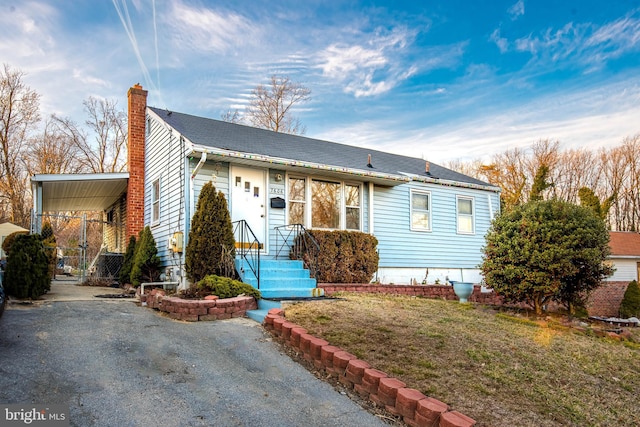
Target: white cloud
369, 68
517, 10
26, 30
199, 28
586, 44
501, 42
590, 119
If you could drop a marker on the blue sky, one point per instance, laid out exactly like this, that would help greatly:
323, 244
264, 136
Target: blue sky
442, 80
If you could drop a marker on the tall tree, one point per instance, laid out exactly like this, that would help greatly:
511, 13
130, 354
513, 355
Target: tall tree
108, 152
540, 183
19, 114
589, 200
210, 237
52, 152
271, 106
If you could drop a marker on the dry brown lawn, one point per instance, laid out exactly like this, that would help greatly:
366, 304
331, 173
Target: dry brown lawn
499, 368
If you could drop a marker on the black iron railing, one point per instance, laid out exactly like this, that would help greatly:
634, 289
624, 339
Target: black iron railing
247, 247
295, 242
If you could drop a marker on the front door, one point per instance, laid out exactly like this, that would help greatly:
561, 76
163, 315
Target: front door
248, 200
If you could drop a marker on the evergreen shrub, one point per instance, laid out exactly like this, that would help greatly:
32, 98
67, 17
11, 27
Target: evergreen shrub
630, 306
49, 241
344, 256
210, 237
8, 241
27, 275
124, 275
146, 263
225, 287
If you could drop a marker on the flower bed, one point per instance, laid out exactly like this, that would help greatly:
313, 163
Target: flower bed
198, 310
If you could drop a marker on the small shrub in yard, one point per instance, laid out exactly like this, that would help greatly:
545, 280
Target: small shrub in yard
630, 306
345, 256
225, 287
27, 268
146, 263
124, 276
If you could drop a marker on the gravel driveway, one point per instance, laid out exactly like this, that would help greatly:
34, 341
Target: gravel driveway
116, 364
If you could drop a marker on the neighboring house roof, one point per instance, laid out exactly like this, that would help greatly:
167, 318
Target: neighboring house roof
230, 136
7, 228
624, 243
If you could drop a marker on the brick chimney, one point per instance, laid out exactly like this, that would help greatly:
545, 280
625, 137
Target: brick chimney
136, 131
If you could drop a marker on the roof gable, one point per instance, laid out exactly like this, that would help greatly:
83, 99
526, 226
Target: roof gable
235, 137
624, 243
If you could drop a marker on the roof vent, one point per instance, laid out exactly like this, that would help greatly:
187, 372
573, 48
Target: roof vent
369, 165
427, 168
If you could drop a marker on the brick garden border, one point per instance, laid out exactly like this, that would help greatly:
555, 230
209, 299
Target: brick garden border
416, 409
198, 310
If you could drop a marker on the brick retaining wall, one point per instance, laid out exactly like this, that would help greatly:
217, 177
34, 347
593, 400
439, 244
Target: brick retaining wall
605, 301
195, 310
416, 409
428, 291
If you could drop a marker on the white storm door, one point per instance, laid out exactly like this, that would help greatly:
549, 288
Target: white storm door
248, 199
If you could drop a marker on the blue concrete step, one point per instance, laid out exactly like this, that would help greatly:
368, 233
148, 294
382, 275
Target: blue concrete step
292, 293
263, 309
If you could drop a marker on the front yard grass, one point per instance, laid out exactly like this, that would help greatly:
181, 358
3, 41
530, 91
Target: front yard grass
497, 367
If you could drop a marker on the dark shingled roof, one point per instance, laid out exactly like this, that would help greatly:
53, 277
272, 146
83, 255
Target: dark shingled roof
246, 139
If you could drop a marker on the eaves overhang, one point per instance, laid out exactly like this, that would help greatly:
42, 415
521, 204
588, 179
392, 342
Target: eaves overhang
300, 166
451, 183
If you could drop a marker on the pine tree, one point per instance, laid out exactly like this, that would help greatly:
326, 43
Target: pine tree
211, 235
124, 275
146, 263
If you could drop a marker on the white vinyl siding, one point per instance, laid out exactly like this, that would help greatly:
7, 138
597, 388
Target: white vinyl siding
465, 214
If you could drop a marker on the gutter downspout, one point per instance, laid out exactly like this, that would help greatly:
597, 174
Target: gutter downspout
203, 159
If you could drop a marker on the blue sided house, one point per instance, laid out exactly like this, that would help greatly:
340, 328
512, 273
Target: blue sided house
429, 221
424, 216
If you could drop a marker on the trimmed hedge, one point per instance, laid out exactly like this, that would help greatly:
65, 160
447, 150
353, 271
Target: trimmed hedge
345, 256
225, 287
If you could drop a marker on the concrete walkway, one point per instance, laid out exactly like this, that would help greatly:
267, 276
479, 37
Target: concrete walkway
115, 363
70, 290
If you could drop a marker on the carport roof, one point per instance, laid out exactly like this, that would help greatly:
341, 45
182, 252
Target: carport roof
78, 192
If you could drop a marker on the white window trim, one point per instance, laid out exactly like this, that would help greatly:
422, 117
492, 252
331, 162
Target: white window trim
473, 215
305, 202
308, 180
156, 221
420, 229
343, 220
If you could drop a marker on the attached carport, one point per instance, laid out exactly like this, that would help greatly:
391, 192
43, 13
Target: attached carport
75, 192
71, 197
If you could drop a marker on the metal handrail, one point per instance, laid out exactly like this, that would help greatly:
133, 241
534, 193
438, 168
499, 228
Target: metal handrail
248, 247
300, 244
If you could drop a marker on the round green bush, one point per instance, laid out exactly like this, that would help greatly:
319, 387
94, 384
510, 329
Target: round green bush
225, 287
